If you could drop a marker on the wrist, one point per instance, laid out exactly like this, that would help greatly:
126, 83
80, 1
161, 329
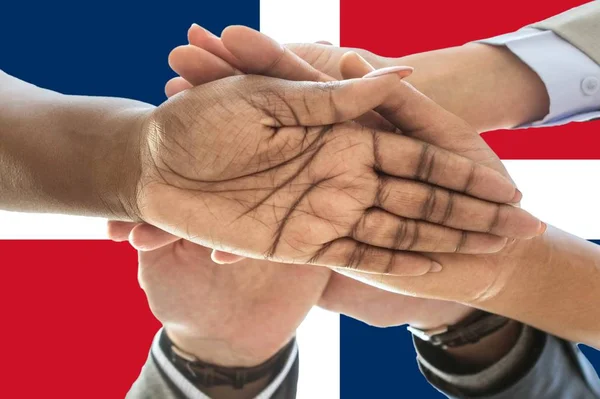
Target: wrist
473, 344
485, 85
117, 171
228, 381
68, 154
489, 350
452, 313
218, 351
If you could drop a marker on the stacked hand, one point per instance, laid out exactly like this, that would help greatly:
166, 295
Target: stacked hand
205, 292
297, 187
416, 117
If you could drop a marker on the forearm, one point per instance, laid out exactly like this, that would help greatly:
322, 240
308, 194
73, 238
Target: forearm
552, 283
487, 86
67, 154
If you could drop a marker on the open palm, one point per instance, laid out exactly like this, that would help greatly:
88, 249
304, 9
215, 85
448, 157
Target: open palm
383, 308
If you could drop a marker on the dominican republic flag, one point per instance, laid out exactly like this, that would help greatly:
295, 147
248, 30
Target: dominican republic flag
74, 321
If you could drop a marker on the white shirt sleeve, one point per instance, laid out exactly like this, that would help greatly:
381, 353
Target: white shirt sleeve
191, 392
571, 77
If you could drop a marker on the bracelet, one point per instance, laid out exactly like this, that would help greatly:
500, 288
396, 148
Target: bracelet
471, 330
206, 375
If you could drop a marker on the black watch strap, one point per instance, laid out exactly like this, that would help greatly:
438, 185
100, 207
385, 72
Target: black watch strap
206, 375
471, 330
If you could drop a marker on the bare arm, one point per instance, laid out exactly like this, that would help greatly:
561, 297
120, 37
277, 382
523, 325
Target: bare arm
487, 86
66, 154
552, 282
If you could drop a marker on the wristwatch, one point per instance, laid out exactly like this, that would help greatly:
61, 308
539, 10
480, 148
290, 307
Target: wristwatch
472, 329
206, 375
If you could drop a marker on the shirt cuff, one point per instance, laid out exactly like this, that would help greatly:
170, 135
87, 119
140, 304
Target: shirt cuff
191, 392
572, 79
485, 380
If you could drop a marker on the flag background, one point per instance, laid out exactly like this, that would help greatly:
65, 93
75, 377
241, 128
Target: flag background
75, 320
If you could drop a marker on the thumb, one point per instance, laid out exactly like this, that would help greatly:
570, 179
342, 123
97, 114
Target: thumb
258, 54
321, 103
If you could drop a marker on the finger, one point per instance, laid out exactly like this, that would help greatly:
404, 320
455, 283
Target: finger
258, 54
254, 53
382, 229
200, 37
415, 200
119, 231
413, 159
316, 104
199, 66
265, 56
348, 254
419, 117
176, 86
145, 237
225, 258
353, 66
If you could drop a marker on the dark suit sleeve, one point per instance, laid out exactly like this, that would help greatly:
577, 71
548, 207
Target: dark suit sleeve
550, 369
152, 383
159, 379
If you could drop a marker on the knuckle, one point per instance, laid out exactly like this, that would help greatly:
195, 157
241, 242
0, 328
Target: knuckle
382, 195
401, 233
429, 205
472, 178
496, 219
329, 89
330, 86
426, 162
356, 257
371, 223
448, 209
461, 242
441, 168
411, 235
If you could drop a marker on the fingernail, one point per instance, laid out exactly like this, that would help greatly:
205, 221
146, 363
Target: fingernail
212, 257
517, 198
435, 268
403, 71
543, 228
210, 33
195, 25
